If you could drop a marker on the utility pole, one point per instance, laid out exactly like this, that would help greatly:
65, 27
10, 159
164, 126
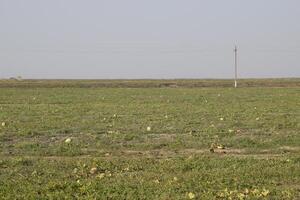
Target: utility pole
235, 66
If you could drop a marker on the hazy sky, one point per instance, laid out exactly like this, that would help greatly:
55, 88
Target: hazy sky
149, 38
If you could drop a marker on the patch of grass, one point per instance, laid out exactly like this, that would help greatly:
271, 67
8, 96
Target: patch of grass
206, 143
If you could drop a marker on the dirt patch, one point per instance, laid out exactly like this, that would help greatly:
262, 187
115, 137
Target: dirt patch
163, 153
290, 149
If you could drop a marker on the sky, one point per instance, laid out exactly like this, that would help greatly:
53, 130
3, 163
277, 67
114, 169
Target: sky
135, 39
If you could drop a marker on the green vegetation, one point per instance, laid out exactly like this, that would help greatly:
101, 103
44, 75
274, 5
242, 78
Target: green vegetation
172, 140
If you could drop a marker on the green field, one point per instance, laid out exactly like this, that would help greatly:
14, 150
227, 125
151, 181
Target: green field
151, 139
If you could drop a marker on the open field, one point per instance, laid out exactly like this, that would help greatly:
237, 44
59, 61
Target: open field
152, 139
150, 83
